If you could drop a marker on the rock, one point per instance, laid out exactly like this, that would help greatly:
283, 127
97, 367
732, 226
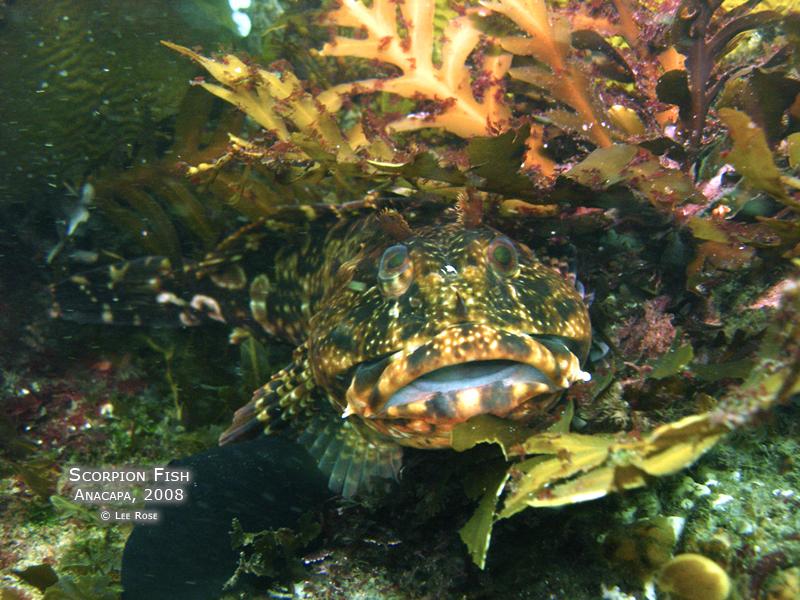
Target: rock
266, 483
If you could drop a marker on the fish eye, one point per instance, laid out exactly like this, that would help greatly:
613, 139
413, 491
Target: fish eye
395, 271
503, 257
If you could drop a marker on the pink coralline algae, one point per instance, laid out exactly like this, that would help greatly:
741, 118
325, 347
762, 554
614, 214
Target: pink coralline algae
649, 335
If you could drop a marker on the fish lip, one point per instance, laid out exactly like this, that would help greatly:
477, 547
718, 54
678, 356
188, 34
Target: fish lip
374, 384
507, 385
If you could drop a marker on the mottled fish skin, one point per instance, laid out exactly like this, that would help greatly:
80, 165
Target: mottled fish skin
457, 308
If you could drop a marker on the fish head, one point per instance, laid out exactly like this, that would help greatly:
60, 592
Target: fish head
428, 327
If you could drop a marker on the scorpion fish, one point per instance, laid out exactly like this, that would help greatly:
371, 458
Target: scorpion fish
404, 326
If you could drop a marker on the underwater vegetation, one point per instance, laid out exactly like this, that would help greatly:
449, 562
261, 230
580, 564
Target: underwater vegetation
648, 150
522, 77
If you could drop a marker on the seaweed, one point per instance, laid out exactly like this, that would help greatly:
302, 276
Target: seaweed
549, 42
465, 103
706, 34
273, 553
752, 159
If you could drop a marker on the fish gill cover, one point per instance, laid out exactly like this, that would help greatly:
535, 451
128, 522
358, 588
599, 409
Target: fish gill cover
654, 146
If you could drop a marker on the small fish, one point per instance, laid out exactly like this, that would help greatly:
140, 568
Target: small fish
405, 325
77, 212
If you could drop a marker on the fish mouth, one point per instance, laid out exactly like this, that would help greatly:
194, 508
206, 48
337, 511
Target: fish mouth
465, 370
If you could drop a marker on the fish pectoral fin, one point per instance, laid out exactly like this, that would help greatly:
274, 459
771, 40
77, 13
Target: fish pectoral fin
354, 461
285, 399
